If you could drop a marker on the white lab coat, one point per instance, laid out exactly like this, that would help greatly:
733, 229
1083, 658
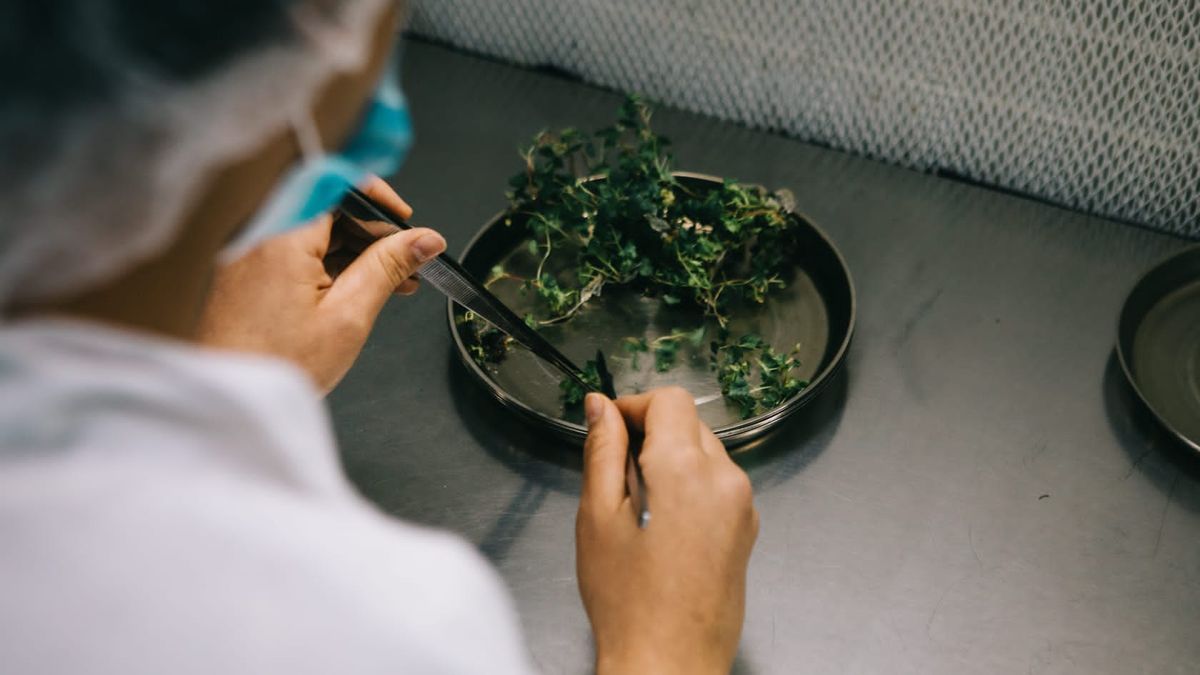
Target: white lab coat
166, 509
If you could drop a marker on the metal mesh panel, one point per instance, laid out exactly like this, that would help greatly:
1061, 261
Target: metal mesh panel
1093, 104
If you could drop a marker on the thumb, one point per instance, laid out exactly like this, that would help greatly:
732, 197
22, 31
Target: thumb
382, 267
604, 454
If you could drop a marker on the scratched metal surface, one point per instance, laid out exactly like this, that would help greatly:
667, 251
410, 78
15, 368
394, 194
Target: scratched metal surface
977, 493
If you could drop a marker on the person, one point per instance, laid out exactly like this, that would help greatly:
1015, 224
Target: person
170, 494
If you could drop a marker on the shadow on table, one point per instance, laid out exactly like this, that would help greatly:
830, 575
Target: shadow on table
547, 464
1153, 452
544, 464
538, 457
741, 666
787, 450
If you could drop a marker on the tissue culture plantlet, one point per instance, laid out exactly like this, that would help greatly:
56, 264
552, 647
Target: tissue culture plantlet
572, 392
640, 228
735, 363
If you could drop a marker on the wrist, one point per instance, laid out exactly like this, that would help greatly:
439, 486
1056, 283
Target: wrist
655, 662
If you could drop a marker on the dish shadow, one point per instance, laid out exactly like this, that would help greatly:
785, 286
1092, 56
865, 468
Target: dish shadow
541, 458
545, 464
785, 451
1153, 451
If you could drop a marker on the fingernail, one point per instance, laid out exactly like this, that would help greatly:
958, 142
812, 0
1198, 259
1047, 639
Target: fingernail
593, 408
427, 246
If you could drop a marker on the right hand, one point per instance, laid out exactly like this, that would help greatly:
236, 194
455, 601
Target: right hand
670, 598
279, 298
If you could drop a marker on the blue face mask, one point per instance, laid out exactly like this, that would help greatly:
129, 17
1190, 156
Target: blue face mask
317, 184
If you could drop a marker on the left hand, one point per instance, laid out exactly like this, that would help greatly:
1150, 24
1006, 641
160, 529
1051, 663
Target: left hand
279, 299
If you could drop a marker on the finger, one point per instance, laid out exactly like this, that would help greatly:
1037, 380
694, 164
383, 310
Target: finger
377, 188
313, 237
604, 455
712, 445
409, 286
667, 417
382, 268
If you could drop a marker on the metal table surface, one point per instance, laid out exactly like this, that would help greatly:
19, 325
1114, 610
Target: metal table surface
978, 493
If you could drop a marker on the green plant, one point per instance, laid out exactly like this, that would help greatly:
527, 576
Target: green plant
641, 228
736, 362
572, 392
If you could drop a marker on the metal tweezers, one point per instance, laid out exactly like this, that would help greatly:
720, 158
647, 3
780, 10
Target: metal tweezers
448, 276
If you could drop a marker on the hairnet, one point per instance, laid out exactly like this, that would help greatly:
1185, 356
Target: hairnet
116, 112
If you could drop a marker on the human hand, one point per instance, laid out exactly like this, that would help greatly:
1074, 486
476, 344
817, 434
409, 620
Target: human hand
279, 299
669, 598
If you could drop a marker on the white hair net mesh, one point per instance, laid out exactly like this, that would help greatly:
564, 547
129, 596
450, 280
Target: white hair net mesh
106, 185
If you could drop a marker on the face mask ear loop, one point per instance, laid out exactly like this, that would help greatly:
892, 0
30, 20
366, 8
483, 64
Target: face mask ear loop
307, 137
308, 141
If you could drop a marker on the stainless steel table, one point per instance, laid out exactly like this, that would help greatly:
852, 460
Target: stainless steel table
977, 494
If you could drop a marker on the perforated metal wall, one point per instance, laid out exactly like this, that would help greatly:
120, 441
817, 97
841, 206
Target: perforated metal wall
1093, 104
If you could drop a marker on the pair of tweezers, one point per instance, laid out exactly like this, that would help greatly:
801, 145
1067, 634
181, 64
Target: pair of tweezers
448, 276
